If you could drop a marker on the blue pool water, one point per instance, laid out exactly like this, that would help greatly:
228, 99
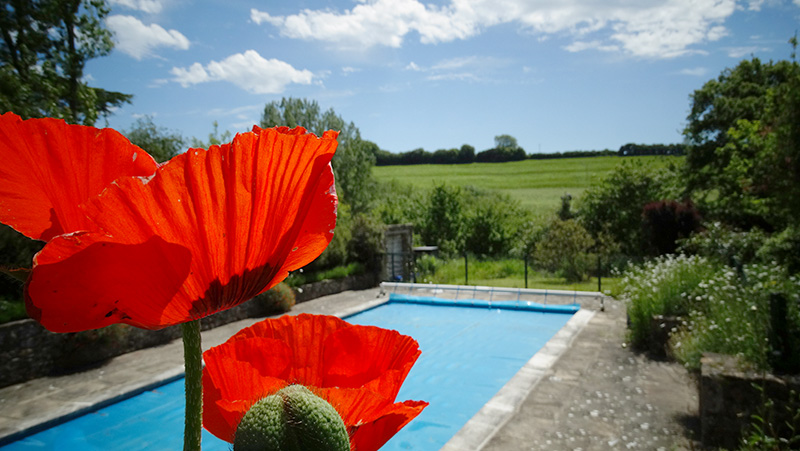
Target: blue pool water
468, 354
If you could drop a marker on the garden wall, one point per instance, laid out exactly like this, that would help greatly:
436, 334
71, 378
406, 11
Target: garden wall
28, 351
729, 397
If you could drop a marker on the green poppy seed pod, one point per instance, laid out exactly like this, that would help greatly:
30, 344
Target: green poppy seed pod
293, 419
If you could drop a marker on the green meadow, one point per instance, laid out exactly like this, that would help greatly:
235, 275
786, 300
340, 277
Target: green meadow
537, 184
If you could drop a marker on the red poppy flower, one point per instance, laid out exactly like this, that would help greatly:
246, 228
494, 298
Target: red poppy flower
50, 168
208, 231
357, 369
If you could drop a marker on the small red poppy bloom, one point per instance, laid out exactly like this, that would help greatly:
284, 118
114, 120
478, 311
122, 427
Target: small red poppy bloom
50, 168
357, 369
208, 231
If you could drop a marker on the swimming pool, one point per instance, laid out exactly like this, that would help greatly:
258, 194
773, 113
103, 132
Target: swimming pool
470, 349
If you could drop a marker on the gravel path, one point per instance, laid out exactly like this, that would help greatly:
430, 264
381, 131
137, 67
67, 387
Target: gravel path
602, 396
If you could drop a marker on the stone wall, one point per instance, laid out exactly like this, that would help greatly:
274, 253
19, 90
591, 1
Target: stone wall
328, 287
28, 351
730, 396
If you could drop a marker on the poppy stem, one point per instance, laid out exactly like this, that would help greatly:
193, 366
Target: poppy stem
193, 361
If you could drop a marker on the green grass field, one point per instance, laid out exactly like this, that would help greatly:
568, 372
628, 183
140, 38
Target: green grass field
537, 184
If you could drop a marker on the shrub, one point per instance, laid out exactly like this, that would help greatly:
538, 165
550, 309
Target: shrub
731, 315
426, 266
303, 277
12, 311
366, 242
661, 287
784, 248
564, 249
724, 244
667, 221
443, 221
615, 205
493, 222
278, 299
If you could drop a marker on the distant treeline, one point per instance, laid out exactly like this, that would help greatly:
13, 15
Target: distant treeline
466, 154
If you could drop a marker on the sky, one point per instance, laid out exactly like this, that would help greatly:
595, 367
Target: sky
557, 75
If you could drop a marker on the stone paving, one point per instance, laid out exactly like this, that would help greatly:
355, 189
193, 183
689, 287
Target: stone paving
592, 393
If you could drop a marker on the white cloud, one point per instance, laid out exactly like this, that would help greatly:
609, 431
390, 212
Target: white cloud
139, 40
643, 28
740, 52
248, 70
694, 72
466, 68
579, 46
147, 6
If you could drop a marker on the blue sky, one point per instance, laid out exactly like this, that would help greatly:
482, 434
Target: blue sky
558, 75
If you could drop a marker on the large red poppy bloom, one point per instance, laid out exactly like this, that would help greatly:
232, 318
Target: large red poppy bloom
50, 168
208, 231
357, 369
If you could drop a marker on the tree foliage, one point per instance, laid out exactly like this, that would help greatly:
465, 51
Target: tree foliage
564, 249
44, 48
159, 142
743, 164
738, 94
613, 208
507, 142
444, 220
215, 138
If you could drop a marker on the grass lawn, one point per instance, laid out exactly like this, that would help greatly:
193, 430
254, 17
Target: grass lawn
537, 184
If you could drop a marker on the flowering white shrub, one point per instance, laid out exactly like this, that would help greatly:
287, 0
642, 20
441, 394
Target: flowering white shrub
730, 315
661, 287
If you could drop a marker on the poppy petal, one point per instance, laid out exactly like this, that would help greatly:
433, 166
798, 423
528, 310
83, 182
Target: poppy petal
371, 419
304, 334
356, 355
83, 295
373, 435
239, 210
50, 168
233, 380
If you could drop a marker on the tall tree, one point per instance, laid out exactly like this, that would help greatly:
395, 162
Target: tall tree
159, 142
44, 48
739, 93
506, 142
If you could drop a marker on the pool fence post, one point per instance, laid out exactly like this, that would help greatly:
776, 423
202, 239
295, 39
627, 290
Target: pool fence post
526, 270
599, 275
466, 270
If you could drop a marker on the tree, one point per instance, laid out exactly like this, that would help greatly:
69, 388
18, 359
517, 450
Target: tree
44, 49
466, 154
613, 208
444, 221
740, 93
354, 157
157, 141
505, 142
742, 164
564, 248
215, 138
